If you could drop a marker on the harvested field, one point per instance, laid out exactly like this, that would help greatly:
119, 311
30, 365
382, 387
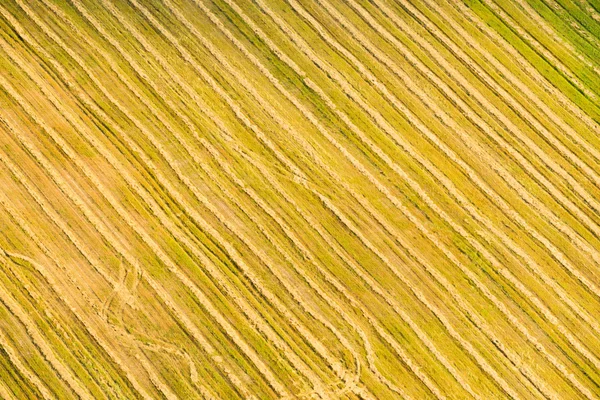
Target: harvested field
299, 199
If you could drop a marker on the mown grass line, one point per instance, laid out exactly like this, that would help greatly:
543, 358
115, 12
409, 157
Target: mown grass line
585, 17
510, 244
552, 88
47, 274
65, 147
203, 263
531, 50
260, 254
22, 369
321, 163
6, 393
15, 385
49, 325
388, 262
129, 259
470, 173
71, 331
563, 30
133, 261
438, 355
196, 193
39, 197
514, 82
588, 352
297, 235
589, 200
554, 218
42, 345
556, 60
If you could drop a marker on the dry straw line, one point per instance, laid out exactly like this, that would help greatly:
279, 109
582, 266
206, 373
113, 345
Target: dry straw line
154, 246
525, 65
179, 114
35, 194
589, 200
259, 99
562, 127
95, 180
528, 198
45, 163
540, 22
542, 50
254, 358
356, 269
525, 89
62, 371
328, 71
56, 319
311, 339
5, 392
20, 366
42, 270
182, 141
551, 217
478, 322
217, 56
587, 7
161, 348
150, 371
259, 66
574, 23
305, 369
258, 252
313, 285
513, 214
560, 367
505, 207
155, 378
286, 255
234, 108
197, 335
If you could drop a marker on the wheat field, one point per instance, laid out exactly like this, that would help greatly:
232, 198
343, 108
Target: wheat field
299, 199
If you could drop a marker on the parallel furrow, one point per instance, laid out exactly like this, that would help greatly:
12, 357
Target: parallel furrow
20, 366
94, 179
165, 220
548, 214
471, 209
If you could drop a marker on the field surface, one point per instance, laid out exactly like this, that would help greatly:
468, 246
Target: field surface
299, 199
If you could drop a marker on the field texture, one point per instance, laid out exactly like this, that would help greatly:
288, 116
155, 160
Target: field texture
299, 199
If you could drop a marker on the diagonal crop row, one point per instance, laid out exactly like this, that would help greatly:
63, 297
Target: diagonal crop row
320, 162
63, 145
93, 331
502, 204
179, 114
548, 161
